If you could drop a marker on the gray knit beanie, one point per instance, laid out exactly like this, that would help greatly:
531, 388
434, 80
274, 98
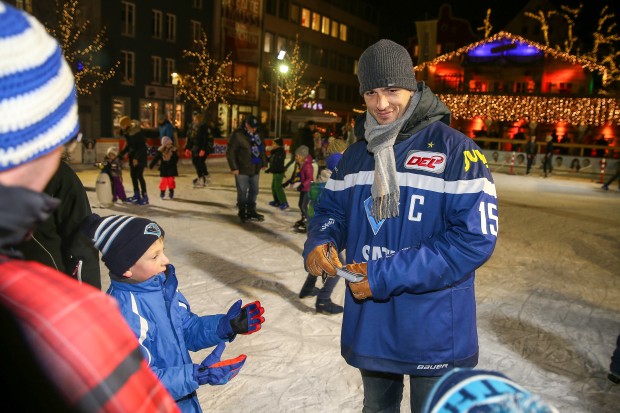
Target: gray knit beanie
385, 64
302, 151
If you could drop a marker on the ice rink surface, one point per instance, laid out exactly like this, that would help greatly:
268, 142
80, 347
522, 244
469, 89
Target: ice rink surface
548, 299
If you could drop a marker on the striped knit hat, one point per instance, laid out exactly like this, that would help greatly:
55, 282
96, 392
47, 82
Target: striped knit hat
122, 239
38, 104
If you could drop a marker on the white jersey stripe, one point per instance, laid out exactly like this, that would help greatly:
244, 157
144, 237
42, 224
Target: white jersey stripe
411, 180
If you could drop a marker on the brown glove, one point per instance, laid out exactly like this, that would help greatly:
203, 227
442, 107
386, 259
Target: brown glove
323, 258
360, 289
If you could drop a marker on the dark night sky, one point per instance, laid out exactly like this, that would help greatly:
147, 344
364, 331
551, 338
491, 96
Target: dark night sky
397, 17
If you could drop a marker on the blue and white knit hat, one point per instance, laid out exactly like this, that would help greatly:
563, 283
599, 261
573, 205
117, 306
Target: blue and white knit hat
38, 104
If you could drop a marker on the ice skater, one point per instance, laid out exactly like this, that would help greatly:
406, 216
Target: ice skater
146, 287
167, 157
113, 166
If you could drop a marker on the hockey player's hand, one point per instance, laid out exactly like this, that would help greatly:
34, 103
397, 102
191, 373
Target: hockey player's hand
241, 320
323, 259
361, 289
188, 153
213, 371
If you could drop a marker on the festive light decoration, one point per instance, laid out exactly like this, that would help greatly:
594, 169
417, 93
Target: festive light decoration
542, 18
548, 51
210, 80
79, 49
294, 93
570, 16
604, 48
487, 28
575, 111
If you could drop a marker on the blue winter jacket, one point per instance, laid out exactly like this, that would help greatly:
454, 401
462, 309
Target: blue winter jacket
161, 319
421, 319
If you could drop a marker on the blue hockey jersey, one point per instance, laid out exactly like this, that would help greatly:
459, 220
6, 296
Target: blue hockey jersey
421, 319
166, 329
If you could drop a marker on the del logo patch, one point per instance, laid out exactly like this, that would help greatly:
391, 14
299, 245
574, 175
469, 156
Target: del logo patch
434, 162
374, 224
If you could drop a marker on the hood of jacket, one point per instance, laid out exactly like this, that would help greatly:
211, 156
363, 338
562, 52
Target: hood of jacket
20, 211
429, 110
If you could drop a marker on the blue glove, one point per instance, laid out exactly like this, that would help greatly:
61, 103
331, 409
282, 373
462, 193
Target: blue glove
215, 372
241, 320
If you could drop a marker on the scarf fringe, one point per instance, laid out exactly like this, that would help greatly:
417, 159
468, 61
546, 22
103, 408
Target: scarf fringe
386, 206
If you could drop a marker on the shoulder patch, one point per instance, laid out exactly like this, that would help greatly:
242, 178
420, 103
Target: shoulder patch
434, 162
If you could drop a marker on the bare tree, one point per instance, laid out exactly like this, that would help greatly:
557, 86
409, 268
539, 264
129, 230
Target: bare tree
80, 49
209, 79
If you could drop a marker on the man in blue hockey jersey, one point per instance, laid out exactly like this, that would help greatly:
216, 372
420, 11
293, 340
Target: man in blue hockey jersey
414, 205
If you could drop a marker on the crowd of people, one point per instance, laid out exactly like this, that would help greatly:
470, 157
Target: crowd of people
409, 232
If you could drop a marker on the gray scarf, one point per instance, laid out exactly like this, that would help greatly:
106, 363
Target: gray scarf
385, 191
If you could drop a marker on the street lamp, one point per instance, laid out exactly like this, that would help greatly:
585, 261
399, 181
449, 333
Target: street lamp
278, 105
283, 69
175, 82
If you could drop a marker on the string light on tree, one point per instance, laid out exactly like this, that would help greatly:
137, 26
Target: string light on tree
80, 50
293, 91
210, 80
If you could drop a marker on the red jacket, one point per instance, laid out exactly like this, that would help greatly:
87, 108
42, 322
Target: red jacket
75, 336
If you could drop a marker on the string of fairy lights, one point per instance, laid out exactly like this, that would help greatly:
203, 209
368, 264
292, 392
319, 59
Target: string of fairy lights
575, 111
558, 54
81, 57
210, 80
596, 111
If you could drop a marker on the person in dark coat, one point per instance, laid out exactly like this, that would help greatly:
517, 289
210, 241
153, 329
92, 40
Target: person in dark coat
199, 146
305, 137
58, 242
246, 156
531, 149
547, 165
167, 157
276, 167
136, 152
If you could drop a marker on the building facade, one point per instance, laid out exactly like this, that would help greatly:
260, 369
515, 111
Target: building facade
145, 41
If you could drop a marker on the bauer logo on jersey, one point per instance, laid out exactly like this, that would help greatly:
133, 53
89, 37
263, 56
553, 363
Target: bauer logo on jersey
434, 162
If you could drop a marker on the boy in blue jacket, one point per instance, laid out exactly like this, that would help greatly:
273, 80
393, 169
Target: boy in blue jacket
145, 285
415, 207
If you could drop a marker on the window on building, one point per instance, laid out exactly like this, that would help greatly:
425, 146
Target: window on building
197, 4
325, 26
25, 5
305, 17
281, 44
268, 42
128, 16
271, 7
322, 91
316, 21
343, 32
283, 9
170, 69
149, 110
334, 31
158, 22
294, 13
196, 30
565, 87
128, 67
171, 33
156, 69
